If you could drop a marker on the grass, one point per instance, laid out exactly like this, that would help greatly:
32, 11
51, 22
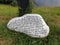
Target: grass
8, 37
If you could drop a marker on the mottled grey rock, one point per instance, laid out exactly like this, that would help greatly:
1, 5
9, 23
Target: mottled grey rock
30, 24
48, 3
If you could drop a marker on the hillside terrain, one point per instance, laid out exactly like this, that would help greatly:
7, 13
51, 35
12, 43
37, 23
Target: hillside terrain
8, 37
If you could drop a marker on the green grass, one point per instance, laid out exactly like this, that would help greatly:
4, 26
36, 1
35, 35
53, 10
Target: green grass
8, 37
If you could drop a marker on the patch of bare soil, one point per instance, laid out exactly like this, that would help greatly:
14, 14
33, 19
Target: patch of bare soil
3, 18
5, 41
55, 20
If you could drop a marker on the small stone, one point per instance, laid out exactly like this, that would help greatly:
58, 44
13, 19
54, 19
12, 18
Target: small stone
30, 24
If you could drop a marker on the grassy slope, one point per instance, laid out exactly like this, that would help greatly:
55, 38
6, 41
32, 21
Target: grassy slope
8, 37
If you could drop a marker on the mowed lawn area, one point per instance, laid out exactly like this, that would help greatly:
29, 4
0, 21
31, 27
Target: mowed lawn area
9, 37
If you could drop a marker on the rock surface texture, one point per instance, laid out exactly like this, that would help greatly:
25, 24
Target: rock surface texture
30, 24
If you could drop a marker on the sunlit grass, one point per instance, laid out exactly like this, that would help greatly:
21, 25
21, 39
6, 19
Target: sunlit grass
6, 10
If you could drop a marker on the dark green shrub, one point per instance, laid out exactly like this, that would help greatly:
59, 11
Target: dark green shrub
14, 3
11, 2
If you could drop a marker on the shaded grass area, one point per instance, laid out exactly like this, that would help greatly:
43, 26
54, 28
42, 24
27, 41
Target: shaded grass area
9, 37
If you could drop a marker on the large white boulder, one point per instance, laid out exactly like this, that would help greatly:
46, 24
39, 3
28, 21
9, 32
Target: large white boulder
30, 24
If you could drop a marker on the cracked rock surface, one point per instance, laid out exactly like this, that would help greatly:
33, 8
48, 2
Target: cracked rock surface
31, 24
